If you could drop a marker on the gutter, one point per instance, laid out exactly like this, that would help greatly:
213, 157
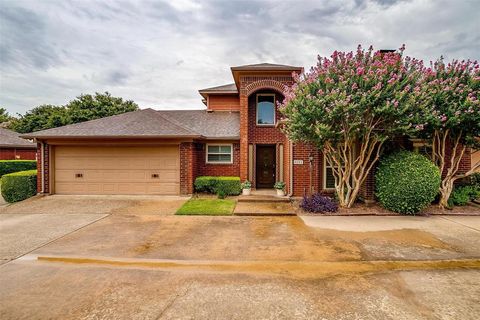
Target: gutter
112, 137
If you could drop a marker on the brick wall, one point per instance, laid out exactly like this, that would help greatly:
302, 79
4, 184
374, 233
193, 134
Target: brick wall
187, 167
304, 174
43, 168
223, 103
249, 85
17, 154
202, 168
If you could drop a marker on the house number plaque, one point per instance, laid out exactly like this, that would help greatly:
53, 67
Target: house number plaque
297, 161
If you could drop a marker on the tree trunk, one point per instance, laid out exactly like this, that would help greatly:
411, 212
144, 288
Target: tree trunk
350, 168
446, 189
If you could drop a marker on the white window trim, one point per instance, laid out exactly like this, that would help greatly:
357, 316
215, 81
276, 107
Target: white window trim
274, 110
220, 145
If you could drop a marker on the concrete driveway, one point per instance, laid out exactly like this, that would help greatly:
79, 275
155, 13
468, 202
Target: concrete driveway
63, 204
145, 266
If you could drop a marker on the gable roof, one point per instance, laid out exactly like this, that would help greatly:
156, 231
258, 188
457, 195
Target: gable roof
11, 139
149, 123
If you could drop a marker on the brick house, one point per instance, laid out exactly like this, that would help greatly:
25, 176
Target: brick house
12, 147
162, 152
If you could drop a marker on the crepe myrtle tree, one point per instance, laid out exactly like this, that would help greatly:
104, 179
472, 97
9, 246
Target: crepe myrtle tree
449, 116
348, 105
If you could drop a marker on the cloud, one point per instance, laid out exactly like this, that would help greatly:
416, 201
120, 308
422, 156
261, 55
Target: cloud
159, 53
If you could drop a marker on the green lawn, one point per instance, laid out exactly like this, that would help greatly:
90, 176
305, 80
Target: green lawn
207, 207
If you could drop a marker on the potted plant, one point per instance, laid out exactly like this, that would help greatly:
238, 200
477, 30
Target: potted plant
246, 188
280, 186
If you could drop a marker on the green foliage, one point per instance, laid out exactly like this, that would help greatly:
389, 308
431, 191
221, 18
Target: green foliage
406, 182
10, 166
450, 102
228, 186
221, 194
4, 116
83, 108
207, 207
463, 194
351, 96
40, 118
87, 107
19, 186
280, 185
246, 185
475, 180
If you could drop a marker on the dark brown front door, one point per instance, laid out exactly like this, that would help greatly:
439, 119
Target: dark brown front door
265, 166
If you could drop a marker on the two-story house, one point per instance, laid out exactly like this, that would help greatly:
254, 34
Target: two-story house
162, 152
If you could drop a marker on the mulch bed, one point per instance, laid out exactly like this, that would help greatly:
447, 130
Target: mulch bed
361, 209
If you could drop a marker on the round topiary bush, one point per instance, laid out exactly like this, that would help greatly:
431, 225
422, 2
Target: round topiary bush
406, 182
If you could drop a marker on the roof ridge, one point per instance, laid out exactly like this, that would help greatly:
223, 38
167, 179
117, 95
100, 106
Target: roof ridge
175, 122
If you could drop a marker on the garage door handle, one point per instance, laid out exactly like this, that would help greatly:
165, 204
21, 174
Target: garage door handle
155, 176
78, 175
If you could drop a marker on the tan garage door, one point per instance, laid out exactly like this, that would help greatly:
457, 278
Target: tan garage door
117, 170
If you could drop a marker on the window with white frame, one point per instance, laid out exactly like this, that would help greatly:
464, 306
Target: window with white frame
266, 109
219, 153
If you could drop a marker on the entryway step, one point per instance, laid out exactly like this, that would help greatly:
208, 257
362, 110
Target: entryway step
262, 198
264, 209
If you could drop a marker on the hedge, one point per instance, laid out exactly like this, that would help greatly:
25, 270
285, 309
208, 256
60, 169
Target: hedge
19, 186
406, 182
10, 166
229, 186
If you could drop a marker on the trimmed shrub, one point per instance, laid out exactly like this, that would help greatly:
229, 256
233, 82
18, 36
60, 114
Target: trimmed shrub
10, 166
463, 194
406, 182
318, 203
19, 186
227, 186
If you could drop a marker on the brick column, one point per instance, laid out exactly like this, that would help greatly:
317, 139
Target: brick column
186, 167
243, 134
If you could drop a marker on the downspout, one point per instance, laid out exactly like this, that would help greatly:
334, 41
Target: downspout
42, 161
290, 175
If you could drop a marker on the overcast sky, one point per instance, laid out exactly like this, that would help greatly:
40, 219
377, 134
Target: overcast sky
159, 53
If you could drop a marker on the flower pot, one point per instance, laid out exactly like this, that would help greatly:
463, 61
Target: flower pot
280, 193
246, 192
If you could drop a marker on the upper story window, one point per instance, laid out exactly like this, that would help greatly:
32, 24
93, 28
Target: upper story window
219, 153
265, 109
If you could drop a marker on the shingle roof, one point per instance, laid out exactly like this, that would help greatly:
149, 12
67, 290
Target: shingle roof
210, 125
11, 139
231, 87
265, 66
149, 123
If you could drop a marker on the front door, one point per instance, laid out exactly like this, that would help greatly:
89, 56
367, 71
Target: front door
265, 166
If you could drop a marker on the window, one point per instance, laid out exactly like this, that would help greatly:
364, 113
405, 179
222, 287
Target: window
219, 153
328, 178
265, 109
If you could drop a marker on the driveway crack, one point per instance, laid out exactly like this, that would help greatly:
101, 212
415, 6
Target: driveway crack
464, 225
179, 295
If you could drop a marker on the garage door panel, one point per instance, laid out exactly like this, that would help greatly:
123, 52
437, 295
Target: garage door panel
127, 170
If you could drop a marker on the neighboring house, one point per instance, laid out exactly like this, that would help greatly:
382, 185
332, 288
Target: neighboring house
12, 147
162, 152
